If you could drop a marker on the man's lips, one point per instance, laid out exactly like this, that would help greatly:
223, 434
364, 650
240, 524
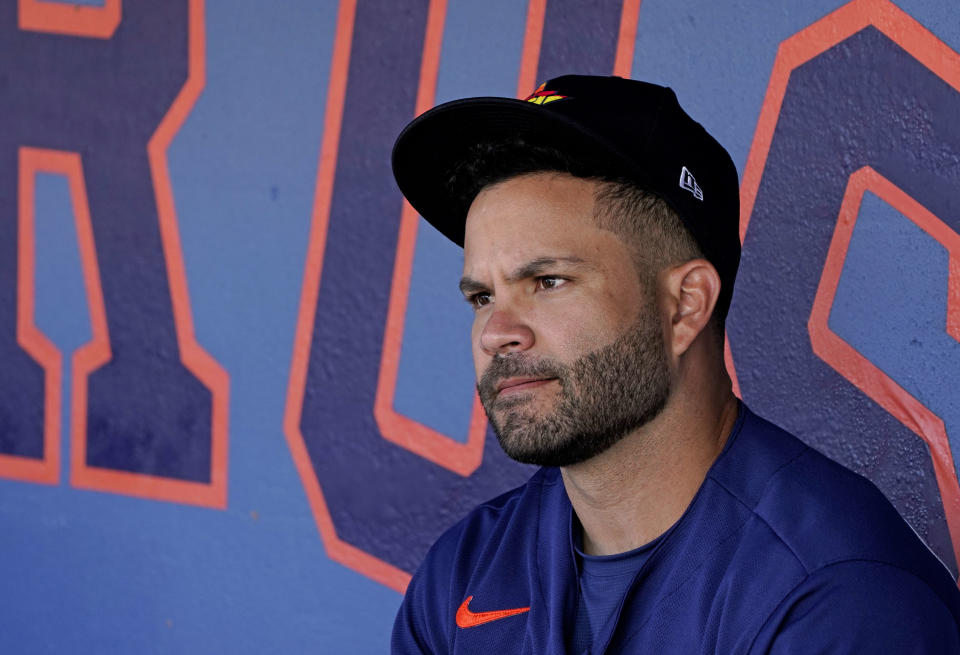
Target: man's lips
516, 385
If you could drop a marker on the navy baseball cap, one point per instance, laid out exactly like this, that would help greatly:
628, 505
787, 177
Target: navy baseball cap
636, 128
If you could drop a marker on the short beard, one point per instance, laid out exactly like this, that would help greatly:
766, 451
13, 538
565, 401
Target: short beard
604, 396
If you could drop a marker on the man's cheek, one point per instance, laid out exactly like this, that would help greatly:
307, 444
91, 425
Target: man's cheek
480, 359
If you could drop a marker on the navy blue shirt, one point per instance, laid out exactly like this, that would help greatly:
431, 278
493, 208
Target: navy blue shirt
781, 551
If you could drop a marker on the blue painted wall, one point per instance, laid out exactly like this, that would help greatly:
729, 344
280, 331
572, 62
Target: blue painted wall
123, 529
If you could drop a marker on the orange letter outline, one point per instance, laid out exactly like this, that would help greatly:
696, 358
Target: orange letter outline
401, 430
926, 48
856, 368
47, 469
69, 19
97, 352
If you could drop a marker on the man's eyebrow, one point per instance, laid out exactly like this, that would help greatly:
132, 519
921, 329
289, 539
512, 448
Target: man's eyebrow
469, 286
530, 269
543, 264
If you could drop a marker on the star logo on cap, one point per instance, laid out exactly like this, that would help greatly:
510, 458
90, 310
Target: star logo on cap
541, 96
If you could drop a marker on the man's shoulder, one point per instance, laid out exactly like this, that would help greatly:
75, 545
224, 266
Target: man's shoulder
822, 512
863, 607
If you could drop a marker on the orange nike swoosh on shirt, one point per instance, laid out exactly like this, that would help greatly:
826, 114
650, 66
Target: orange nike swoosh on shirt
468, 619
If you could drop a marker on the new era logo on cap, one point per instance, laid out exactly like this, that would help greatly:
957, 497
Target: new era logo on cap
689, 182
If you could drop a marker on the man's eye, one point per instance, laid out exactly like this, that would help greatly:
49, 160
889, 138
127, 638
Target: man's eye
548, 282
478, 300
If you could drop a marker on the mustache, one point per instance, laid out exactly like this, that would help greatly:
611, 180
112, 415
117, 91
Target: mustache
501, 368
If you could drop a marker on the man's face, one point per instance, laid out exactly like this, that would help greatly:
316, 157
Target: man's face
567, 340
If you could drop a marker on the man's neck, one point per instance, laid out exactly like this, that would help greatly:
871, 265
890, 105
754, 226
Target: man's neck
633, 492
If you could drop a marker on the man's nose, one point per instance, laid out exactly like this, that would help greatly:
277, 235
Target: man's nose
504, 333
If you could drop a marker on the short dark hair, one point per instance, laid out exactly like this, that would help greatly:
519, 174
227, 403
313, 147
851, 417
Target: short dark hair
639, 217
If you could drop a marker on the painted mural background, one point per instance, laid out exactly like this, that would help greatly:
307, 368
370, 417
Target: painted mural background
236, 397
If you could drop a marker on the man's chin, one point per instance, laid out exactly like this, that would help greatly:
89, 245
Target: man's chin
554, 457
544, 443
528, 446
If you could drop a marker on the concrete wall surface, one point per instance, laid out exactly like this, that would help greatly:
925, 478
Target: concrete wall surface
236, 394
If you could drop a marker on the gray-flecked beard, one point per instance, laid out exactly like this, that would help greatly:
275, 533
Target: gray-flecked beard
604, 396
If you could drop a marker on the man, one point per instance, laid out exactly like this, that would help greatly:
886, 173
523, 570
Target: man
600, 232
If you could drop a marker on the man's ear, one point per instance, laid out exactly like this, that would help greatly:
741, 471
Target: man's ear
692, 289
